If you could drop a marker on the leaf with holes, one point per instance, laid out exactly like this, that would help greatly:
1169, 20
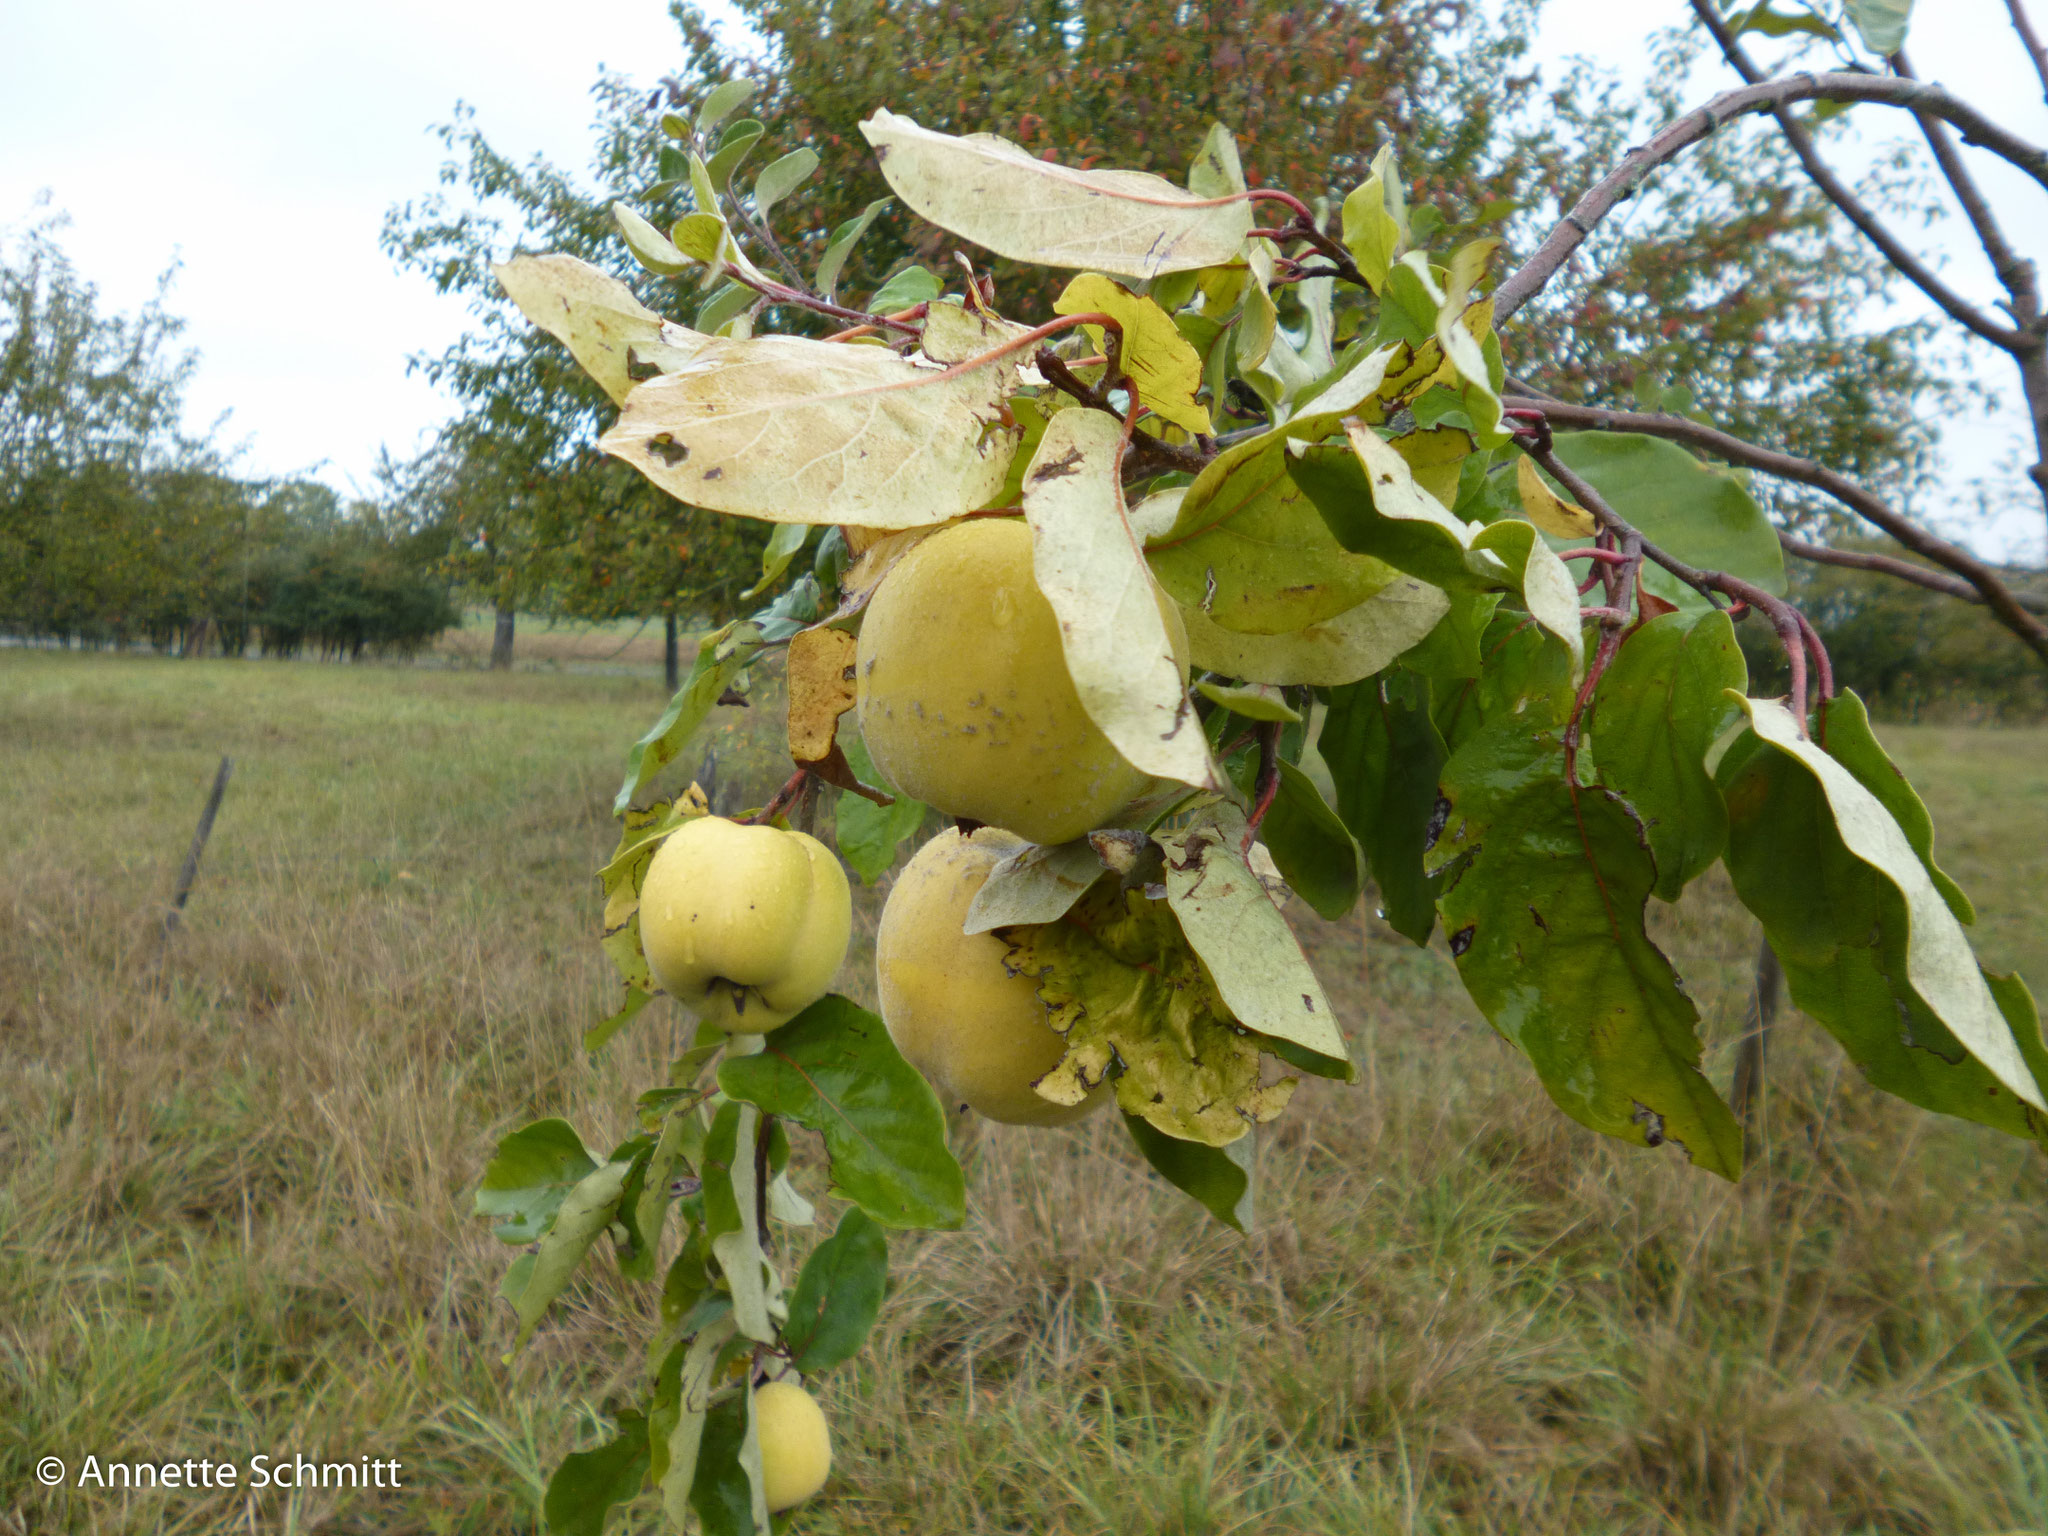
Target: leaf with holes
1545, 892
792, 430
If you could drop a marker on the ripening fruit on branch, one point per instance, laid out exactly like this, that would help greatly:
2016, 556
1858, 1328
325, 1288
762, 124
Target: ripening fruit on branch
975, 1031
744, 926
965, 702
796, 1444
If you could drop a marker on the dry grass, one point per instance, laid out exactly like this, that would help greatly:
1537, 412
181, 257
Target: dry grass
235, 1188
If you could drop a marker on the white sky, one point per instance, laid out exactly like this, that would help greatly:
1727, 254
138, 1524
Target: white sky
260, 144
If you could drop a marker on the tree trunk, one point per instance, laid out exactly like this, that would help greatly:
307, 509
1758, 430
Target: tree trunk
671, 661
501, 641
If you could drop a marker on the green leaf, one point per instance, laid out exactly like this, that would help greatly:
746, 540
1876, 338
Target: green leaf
721, 102
650, 247
721, 656
868, 834
782, 177
585, 1212
912, 286
838, 1295
1545, 912
532, 1173
596, 1037
716, 311
676, 1415
588, 1484
1368, 499
1251, 553
1339, 650
1662, 704
1037, 884
1373, 230
726, 1490
733, 149
1881, 961
1000, 195
1881, 24
1385, 753
1761, 17
1851, 743
784, 545
1549, 591
1157, 361
792, 430
1841, 929
1219, 1177
840, 247
1253, 701
1216, 171
1244, 943
701, 238
1121, 981
834, 1069
1113, 635
1312, 847
1696, 511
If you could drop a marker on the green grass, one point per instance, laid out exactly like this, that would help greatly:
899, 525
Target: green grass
234, 1180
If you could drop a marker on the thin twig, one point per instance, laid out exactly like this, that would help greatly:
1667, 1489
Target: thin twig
1783, 618
2014, 271
2023, 25
1266, 788
1766, 96
1997, 596
1149, 455
791, 788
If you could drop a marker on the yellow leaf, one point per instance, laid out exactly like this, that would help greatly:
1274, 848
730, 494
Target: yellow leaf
1163, 369
1549, 511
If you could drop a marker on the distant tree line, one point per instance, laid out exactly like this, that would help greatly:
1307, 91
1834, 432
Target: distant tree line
117, 529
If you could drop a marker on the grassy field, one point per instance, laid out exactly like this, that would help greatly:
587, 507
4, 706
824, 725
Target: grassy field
235, 1174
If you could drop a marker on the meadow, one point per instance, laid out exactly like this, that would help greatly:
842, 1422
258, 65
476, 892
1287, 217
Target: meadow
236, 1170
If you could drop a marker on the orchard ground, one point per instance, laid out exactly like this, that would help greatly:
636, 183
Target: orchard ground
235, 1178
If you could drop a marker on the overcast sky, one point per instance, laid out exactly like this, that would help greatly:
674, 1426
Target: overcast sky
258, 146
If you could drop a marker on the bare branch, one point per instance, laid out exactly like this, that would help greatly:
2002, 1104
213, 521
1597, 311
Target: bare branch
1997, 596
1903, 570
1768, 96
1917, 272
2014, 271
2025, 27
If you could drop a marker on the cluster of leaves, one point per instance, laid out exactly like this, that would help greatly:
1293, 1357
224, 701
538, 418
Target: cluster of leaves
1397, 681
1733, 284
